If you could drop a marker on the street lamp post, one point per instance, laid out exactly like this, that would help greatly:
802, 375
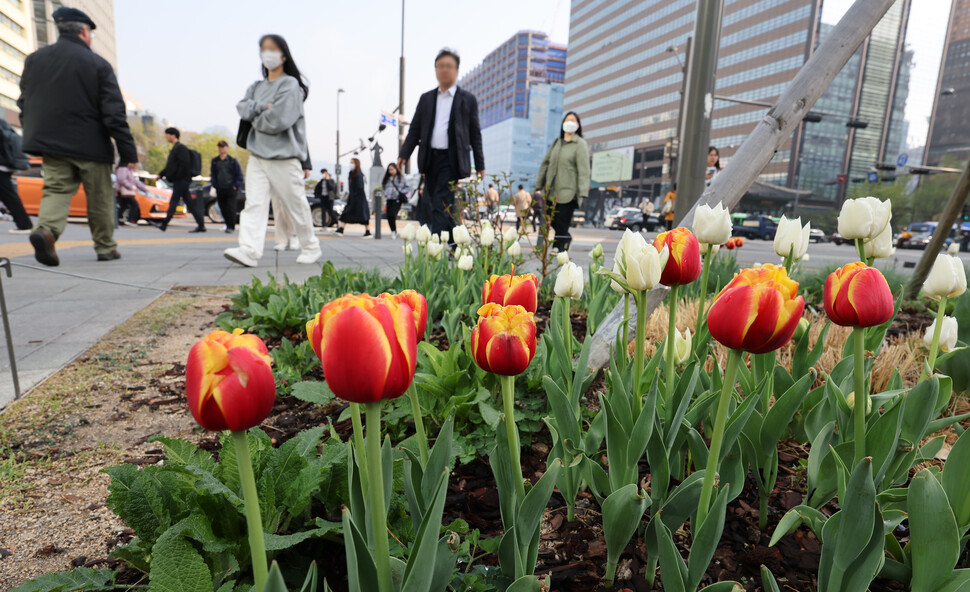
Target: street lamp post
336, 164
400, 105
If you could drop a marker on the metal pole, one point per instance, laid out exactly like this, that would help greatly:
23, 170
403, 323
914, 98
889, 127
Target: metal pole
336, 164
675, 160
400, 103
698, 106
950, 213
5, 264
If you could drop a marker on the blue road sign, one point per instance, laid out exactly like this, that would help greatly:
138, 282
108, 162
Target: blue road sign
873, 176
902, 160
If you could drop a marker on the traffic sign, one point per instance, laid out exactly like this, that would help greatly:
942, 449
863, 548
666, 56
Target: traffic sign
843, 179
902, 160
873, 176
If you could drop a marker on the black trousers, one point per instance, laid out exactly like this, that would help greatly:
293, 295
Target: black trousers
439, 193
128, 203
393, 207
227, 205
329, 216
11, 201
562, 219
180, 193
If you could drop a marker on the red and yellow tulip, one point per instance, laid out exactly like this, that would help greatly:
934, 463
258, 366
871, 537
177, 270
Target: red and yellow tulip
419, 307
229, 381
684, 263
757, 311
506, 290
857, 295
367, 347
504, 341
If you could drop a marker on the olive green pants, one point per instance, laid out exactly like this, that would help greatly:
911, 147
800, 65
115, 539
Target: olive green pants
62, 176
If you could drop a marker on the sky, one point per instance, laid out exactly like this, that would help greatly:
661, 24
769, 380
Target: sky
192, 71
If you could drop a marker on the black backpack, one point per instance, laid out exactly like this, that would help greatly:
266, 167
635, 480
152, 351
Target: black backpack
11, 153
195, 163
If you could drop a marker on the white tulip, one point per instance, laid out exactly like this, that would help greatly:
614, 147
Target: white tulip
434, 250
682, 346
422, 234
792, 237
487, 238
465, 262
948, 334
409, 232
435, 239
881, 247
714, 249
563, 257
644, 267
630, 242
461, 235
444, 236
407, 249
947, 278
515, 250
954, 248
712, 225
864, 218
486, 224
569, 282
510, 235
805, 258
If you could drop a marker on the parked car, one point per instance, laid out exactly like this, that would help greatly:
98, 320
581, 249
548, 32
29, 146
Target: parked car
152, 204
755, 226
838, 239
214, 213
579, 217
921, 233
628, 218
817, 236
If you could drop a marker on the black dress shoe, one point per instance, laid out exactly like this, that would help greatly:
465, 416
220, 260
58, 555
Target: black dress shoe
198, 229
43, 242
109, 256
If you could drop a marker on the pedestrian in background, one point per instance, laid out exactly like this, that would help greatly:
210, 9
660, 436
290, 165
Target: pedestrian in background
564, 174
523, 206
125, 184
226, 177
71, 108
492, 199
668, 209
538, 212
356, 211
396, 191
713, 165
178, 172
325, 192
279, 160
12, 159
445, 128
646, 207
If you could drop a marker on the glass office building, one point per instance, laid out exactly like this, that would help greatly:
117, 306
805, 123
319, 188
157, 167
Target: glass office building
519, 87
626, 85
950, 123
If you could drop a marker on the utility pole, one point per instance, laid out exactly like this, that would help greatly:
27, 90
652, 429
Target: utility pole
336, 160
676, 149
400, 104
698, 106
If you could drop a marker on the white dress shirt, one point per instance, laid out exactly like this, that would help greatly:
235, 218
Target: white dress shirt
442, 116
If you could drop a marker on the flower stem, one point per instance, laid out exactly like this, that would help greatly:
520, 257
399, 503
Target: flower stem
717, 438
935, 346
704, 273
640, 298
508, 400
254, 521
358, 436
376, 495
626, 322
671, 339
418, 424
861, 394
860, 247
567, 334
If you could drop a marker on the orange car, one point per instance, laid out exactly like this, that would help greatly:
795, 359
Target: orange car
153, 205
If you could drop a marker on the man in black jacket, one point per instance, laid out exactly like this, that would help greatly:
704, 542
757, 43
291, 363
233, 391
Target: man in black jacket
226, 177
178, 172
71, 108
326, 191
445, 128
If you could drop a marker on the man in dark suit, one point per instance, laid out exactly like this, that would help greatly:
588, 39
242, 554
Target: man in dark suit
445, 128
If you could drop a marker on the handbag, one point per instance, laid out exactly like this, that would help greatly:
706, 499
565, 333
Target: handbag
242, 136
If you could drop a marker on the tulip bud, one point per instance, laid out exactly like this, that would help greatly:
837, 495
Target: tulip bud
443, 236
857, 295
409, 232
947, 278
504, 340
682, 346
645, 267
515, 250
434, 250
461, 235
801, 329
864, 217
730, 244
949, 333
487, 238
465, 262
407, 248
422, 234
792, 237
510, 235
712, 225
806, 257
683, 266
229, 381
597, 252
506, 290
563, 257
714, 248
850, 401
881, 247
757, 311
569, 282
953, 249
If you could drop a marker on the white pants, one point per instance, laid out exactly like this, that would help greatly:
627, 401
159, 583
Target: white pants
284, 227
284, 178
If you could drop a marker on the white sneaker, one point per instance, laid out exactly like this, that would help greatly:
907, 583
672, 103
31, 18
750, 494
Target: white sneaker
20, 230
281, 247
294, 244
236, 255
309, 257
393, 235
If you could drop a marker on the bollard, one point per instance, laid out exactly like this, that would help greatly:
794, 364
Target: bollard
378, 209
5, 264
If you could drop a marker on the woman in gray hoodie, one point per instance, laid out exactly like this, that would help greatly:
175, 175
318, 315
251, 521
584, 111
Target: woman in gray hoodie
279, 160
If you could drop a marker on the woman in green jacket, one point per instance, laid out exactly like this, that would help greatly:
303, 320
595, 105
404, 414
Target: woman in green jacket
564, 177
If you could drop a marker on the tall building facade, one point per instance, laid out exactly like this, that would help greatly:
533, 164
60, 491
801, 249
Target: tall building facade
624, 77
519, 87
870, 91
950, 122
102, 12
16, 42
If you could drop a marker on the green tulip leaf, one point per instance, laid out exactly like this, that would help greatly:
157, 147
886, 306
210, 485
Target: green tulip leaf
934, 540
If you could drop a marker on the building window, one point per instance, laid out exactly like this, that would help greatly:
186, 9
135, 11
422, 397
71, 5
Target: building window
12, 51
10, 76
7, 103
11, 24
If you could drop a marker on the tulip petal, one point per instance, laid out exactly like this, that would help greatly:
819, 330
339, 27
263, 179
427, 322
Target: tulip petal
356, 367
241, 397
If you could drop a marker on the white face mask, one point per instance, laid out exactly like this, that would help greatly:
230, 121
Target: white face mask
570, 127
271, 59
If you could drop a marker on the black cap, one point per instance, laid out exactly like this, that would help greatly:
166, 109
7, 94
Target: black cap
66, 14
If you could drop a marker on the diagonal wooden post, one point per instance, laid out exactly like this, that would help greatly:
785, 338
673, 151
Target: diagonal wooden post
760, 145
